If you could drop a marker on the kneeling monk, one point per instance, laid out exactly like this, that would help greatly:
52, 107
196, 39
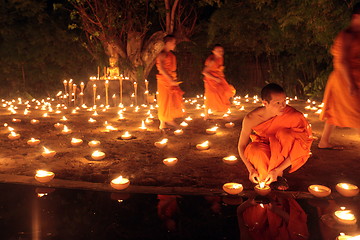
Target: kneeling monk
169, 96
280, 137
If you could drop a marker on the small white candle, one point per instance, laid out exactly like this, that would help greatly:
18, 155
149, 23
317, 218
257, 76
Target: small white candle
170, 161
203, 146
161, 143
233, 188
34, 121
230, 160
14, 136
211, 130
48, 153
58, 125
262, 189
126, 136
229, 124
76, 142
344, 216
120, 183
347, 189
319, 190
178, 132
66, 130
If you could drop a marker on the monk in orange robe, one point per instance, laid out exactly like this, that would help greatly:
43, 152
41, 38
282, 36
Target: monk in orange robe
282, 219
342, 92
217, 90
281, 137
169, 96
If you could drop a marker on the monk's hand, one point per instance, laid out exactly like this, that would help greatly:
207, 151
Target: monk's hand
271, 177
253, 175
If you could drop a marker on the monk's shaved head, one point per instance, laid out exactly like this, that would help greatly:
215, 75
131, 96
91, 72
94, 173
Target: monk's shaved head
269, 89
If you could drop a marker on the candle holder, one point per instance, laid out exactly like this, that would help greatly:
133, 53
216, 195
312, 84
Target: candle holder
347, 189
76, 142
345, 217
262, 189
34, 121
58, 125
319, 190
229, 124
126, 136
211, 131
120, 183
48, 153
162, 143
14, 136
178, 132
233, 188
203, 146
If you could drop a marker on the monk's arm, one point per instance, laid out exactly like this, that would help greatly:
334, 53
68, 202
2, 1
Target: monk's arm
206, 71
162, 70
243, 142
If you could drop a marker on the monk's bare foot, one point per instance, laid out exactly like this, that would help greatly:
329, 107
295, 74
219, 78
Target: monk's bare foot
162, 125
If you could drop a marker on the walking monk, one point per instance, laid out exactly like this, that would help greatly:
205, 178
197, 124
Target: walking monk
169, 96
281, 137
217, 90
342, 92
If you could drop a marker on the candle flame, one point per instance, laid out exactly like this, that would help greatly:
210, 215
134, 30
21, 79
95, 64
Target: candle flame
205, 144
46, 150
262, 184
43, 173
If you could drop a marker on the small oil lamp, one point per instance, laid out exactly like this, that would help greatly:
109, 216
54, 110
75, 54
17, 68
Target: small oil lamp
143, 127
33, 142
170, 161
48, 153
178, 132
94, 143
126, 136
91, 120
63, 119
211, 130
16, 120
184, 124
34, 121
14, 136
229, 124
44, 176
203, 146
262, 189
319, 190
66, 130
120, 183
58, 125
76, 142
97, 155
149, 121
161, 143
233, 188
231, 160
347, 189
345, 217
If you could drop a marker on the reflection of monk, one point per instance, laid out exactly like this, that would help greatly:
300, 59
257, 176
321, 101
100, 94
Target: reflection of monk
169, 93
217, 90
281, 137
167, 208
282, 219
342, 93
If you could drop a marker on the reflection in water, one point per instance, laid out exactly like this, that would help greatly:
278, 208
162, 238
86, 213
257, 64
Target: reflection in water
275, 217
167, 208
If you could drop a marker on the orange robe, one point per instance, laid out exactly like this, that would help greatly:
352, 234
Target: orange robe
169, 98
278, 138
217, 94
341, 108
264, 224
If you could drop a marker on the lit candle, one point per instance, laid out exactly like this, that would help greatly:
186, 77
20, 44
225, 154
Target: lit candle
233, 188
76, 142
94, 143
48, 153
44, 176
34, 121
347, 189
149, 121
97, 155
14, 136
211, 130
65, 85
126, 136
319, 190
203, 146
262, 189
342, 236
178, 132
63, 119
344, 216
230, 160
66, 130
107, 92
170, 161
91, 120
143, 127
120, 183
184, 124
94, 93
161, 143
229, 124
16, 120
33, 142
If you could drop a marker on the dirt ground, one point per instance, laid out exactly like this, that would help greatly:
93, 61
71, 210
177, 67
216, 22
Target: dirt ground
140, 161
